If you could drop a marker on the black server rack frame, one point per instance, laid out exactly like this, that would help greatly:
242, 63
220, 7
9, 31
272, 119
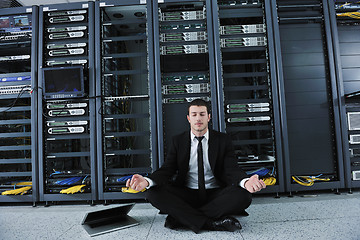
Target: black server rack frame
249, 55
185, 42
66, 125
345, 27
18, 81
126, 114
336, 175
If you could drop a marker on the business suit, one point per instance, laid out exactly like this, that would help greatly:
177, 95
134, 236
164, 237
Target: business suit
171, 195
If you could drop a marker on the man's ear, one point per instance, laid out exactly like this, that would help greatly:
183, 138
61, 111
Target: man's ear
209, 117
188, 118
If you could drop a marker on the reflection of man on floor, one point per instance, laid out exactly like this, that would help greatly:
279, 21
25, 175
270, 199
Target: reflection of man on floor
205, 197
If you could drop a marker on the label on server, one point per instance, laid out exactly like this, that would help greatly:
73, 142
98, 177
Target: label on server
64, 35
197, 77
65, 45
183, 49
66, 19
65, 52
65, 105
66, 62
178, 16
65, 123
238, 2
15, 58
248, 119
248, 105
66, 112
65, 130
243, 42
250, 109
64, 13
238, 29
184, 100
66, 29
186, 88
185, 36
183, 26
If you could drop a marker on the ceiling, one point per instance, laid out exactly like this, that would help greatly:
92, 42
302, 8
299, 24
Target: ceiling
47, 2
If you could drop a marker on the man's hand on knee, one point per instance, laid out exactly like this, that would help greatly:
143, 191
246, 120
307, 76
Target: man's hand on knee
137, 182
254, 184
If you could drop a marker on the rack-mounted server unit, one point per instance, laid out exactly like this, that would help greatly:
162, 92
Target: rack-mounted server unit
184, 65
345, 22
247, 90
126, 118
18, 104
67, 103
308, 95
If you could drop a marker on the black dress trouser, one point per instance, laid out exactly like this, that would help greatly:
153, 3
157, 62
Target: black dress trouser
183, 204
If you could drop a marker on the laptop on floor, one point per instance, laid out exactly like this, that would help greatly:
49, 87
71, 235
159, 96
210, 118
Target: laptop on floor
108, 220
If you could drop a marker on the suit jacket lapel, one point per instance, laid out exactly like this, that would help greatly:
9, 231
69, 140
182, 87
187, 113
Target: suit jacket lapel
187, 145
212, 152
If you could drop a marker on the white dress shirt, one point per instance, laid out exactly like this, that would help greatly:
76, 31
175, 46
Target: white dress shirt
192, 176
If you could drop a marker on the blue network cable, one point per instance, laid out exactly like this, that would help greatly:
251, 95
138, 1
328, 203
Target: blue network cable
68, 181
125, 178
261, 172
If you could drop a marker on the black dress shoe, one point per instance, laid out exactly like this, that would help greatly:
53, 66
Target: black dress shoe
226, 223
172, 223
243, 213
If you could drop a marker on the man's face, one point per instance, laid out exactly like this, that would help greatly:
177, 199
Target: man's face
198, 118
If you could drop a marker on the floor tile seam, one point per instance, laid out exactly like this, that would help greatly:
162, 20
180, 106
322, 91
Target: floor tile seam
73, 225
300, 202
152, 223
305, 219
304, 199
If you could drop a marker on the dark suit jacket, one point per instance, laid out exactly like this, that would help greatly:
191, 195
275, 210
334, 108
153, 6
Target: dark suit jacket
221, 157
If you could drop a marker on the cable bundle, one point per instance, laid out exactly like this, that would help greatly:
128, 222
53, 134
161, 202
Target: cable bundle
261, 172
355, 15
270, 180
68, 181
20, 191
308, 180
125, 178
74, 189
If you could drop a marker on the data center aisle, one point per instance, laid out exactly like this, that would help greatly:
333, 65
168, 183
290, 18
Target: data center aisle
323, 216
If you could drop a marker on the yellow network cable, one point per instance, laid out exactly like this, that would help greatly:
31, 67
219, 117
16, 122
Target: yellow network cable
308, 180
269, 181
74, 189
130, 190
20, 191
355, 15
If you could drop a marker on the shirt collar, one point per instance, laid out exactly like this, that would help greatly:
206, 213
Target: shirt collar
206, 135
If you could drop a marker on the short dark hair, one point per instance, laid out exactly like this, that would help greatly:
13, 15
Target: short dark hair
199, 102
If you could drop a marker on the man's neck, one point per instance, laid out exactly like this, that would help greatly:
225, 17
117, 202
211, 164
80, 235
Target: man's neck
200, 134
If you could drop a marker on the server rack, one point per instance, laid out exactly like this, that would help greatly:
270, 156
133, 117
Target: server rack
311, 130
345, 21
66, 123
247, 90
18, 91
184, 66
126, 116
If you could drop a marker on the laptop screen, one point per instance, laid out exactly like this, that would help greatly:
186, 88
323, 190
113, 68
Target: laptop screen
117, 212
